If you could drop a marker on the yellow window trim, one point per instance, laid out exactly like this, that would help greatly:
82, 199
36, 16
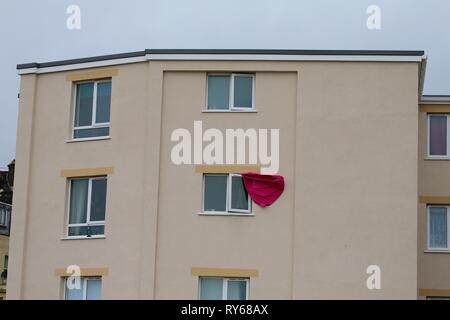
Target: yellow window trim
435, 109
92, 75
227, 168
88, 172
434, 200
223, 272
434, 292
85, 272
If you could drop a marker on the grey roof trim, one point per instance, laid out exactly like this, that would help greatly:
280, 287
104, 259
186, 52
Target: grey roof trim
409, 53
81, 60
435, 99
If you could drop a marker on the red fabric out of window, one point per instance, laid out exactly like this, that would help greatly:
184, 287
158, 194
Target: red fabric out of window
263, 189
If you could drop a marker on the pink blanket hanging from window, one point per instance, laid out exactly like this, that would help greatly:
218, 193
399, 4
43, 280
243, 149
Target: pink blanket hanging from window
263, 189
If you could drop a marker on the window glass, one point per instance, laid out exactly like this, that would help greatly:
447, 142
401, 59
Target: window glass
89, 133
237, 290
438, 227
243, 91
103, 102
98, 200
78, 200
215, 196
83, 108
239, 196
74, 294
211, 289
94, 289
95, 230
78, 231
438, 135
218, 92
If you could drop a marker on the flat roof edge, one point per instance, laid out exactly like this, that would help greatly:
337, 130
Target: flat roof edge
275, 52
435, 99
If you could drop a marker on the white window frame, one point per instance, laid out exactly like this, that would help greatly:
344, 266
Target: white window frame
429, 116
94, 124
225, 285
229, 210
88, 223
231, 106
429, 228
84, 281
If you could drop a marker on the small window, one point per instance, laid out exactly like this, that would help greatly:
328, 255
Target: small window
225, 193
223, 288
92, 109
4, 216
87, 206
231, 92
438, 136
5, 263
438, 228
89, 289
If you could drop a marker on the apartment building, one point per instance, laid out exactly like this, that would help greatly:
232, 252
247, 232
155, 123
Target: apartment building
5, 223
434, 200
361, 152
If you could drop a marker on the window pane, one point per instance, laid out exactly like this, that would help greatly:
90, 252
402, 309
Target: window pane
95, 230
94, 289
78, 231
438, 135
83, 106
218, 92
243, 87
438, 227
87, 231
239, 196
89, 133
237, 290
211, 289
215, 197
103, 102
98, 200
74, 294
78, 201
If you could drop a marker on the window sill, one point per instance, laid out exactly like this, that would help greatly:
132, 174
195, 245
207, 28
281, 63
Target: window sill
88, 139
226, 214
229, 111
431, 158
437, 251
83, 238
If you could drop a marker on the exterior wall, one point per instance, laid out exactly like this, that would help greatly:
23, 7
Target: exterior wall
434, 181
350, 199
356, 181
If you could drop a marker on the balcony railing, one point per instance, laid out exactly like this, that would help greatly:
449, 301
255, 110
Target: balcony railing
5, 218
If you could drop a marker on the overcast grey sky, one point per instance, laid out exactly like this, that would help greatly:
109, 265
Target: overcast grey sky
35, 31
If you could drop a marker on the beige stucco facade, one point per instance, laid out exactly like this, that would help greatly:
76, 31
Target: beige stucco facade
348, 152
434, 189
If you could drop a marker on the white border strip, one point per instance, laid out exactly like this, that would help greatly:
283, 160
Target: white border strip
222, 57
280, 57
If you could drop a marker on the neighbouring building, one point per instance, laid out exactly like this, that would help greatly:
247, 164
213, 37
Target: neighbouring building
6, 190
5, 223
364, 155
